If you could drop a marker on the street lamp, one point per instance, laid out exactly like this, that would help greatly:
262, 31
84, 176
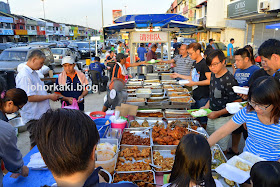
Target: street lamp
44, 8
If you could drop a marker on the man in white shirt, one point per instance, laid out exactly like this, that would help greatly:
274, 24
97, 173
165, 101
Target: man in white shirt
38, 98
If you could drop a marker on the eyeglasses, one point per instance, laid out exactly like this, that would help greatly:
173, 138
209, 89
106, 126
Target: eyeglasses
262, 107
214, 65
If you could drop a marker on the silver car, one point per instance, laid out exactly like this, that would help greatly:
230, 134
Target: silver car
59, 53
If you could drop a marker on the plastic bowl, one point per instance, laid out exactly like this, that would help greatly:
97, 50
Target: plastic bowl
97, 115
106, 159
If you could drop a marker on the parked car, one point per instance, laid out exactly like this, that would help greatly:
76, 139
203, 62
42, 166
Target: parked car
188, 41
59, 53
83, 48
4, 46
12, 57
65, 42
58, 44
43, 44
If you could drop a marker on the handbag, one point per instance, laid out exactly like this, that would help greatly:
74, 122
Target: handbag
74, 105
111, 85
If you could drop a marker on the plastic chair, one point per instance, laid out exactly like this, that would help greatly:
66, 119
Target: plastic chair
95, 81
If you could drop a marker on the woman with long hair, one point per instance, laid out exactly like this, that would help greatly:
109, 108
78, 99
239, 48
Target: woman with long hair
192, 165
251, 51
262, 120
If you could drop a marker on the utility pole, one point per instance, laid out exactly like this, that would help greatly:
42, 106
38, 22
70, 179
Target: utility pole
44, 8
103, 35
125, 9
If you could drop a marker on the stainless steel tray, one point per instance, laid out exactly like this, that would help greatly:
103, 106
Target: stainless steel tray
122, 147
150, 111
134, 172
143, 93
221, 179
150, 121
139, 132
166, 153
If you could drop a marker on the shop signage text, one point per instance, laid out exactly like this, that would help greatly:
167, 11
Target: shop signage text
242, 8
149, 37
6, 32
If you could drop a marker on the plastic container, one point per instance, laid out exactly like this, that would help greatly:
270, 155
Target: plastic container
97, 115
119, 124
106, 159
102, 128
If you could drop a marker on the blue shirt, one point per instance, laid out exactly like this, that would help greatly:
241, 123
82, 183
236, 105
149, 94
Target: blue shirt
97, 66
141, 53
228, 47
263, 140
75, 93
242, 76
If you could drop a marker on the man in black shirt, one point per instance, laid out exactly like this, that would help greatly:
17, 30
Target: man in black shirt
221, 93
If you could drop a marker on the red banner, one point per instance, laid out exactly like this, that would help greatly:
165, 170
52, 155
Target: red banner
116, 14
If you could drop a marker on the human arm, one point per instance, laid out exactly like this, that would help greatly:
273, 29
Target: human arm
201, 83
85, 92
10, 154
177, 75
168, 61
137, 64
39, 98
222, 132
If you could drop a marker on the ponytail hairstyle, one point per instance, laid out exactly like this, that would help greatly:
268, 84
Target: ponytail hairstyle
17, 95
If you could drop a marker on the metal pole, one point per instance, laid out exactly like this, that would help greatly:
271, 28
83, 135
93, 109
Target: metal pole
44, 8
103, 24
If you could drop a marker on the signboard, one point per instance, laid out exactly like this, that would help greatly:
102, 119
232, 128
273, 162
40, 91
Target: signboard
6, 32
125, 36
101, 38
6, 19
93, 38
20, 32
149, 37
31, 32
242, 8
116, 14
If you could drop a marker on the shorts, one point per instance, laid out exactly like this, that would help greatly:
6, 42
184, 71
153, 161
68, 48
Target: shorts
230, 60
215, 124
31, 128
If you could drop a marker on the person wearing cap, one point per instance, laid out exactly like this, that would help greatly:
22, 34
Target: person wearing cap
119, 70
77, 81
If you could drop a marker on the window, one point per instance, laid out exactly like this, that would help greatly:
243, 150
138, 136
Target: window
32, 28
1, 25
13, 56
21, 27
8, 26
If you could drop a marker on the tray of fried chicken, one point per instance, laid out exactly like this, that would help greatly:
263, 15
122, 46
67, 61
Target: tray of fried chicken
146, 123
141, 178
134, 158
163, 157
168, 136
136, 136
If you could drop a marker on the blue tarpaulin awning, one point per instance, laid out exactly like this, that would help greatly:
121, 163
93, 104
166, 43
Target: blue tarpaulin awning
179, 24
145, 20
274, 26
119, 26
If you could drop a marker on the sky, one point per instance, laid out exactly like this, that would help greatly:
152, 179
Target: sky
76, 11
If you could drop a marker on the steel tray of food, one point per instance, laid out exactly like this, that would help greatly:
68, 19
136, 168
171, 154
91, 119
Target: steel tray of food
156, 113
134, 83
164, 157
131, 176
178, 94
164, 101
180, 123
151, 81
140, 123
172, 86
218, 155
166, 76
179, 114
133, 87
131, 91
182, 100
136, 136
168, 136
174, 82
143, 93
134, 158
136, 101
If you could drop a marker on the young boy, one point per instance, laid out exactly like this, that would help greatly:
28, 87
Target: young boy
221, 93
67, 140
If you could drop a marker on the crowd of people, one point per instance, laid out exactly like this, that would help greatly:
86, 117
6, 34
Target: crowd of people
211, 83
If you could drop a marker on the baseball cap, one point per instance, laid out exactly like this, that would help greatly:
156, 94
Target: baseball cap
120, 56
68, 60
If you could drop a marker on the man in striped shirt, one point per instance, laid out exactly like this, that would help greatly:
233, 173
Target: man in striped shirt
183, 62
